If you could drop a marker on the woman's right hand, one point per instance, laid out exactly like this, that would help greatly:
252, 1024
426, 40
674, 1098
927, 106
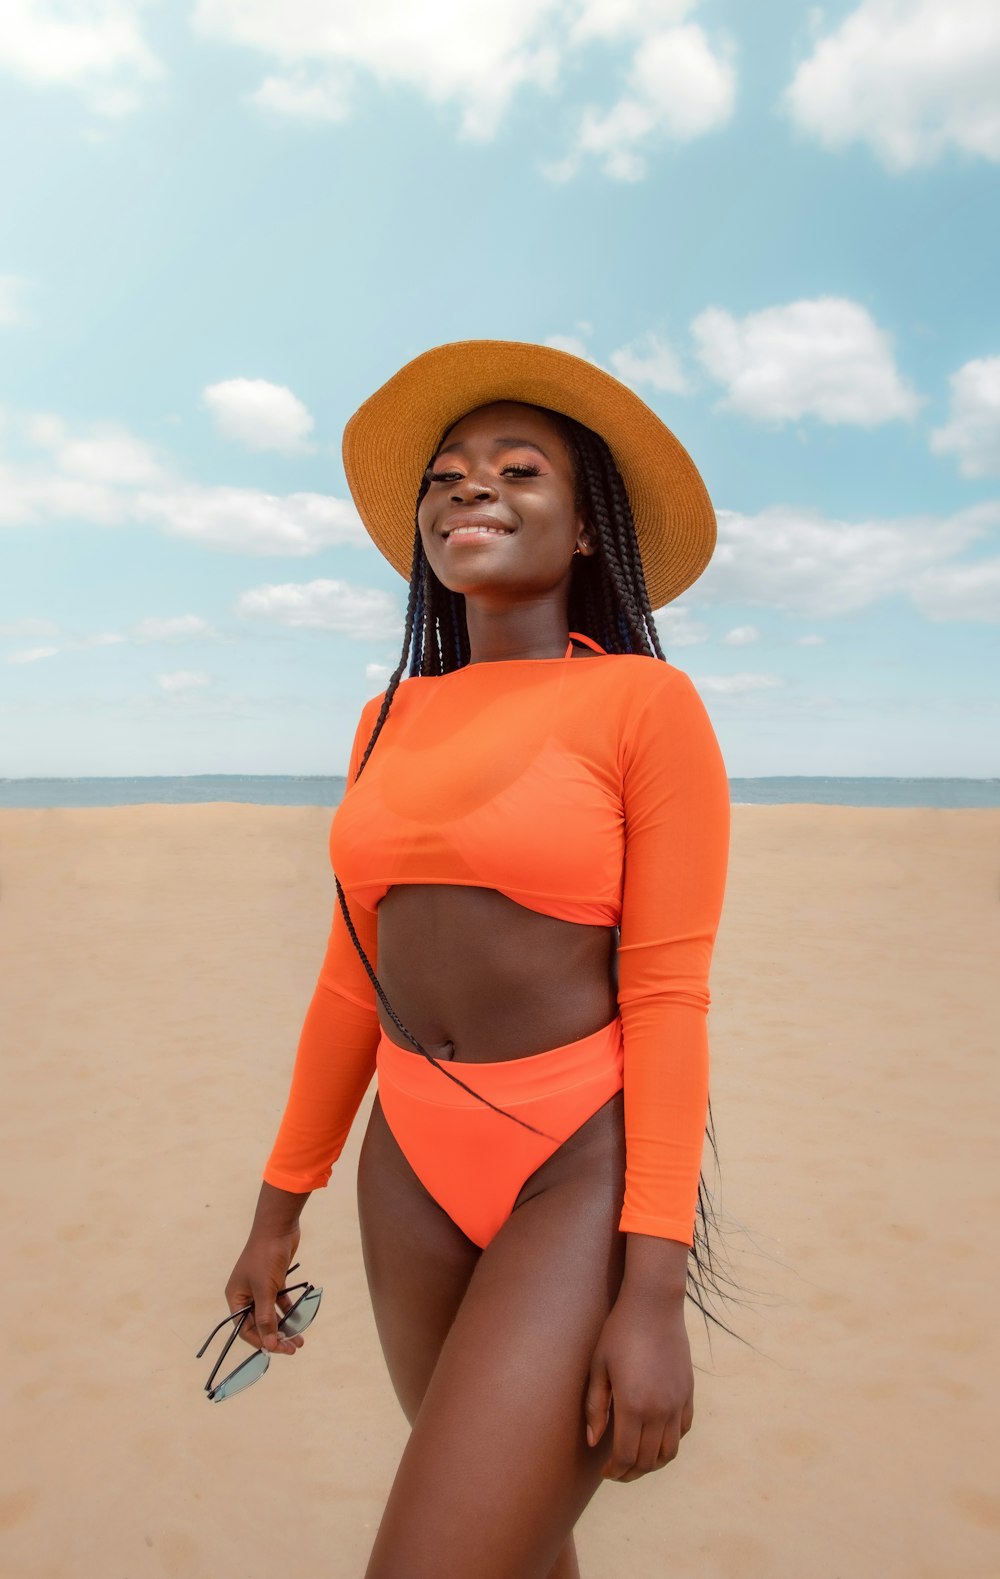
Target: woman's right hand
260, 1272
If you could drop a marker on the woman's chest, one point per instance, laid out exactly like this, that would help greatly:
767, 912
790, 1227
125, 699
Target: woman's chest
532, 797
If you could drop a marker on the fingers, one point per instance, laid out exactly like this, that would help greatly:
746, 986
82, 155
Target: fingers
287, 1302
625, 1446
597, 1405
641, 1445
256, 1285
259, 1326
265, 1322
265, 1319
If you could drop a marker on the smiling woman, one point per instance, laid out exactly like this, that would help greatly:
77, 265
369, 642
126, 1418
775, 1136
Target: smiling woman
535, 855
484, 488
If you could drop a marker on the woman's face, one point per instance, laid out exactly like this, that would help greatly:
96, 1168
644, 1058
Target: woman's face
499, 515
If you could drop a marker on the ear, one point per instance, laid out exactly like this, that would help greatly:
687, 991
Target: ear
585, 537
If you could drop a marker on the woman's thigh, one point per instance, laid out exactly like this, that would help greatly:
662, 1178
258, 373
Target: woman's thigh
418, 1263
497, 1469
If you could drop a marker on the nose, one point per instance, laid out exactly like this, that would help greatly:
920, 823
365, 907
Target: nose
469, 490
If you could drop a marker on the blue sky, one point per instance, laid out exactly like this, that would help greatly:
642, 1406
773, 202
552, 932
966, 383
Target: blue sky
227, 224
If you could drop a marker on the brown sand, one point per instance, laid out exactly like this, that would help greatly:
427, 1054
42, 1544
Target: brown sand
156, 965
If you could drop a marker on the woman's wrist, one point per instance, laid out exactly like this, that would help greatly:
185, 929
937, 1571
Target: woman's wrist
655, 1267
277, 1211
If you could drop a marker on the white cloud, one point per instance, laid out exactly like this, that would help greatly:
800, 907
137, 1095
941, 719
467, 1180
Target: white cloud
972, 431
29, 497
83, 476
28, 627
741, 636
468, 55
825, 358
305, 96
911, 78
678, 628
13, 290
611, 19
474, 58
246, 521
172, 630
650, 360
261, 415
31, 654
378, 671
366, 613
804, 563
105, 477
178, 628
677, 89
105, 454
183, 680
573, 344
736, 684
94, 47
960, 592
811, 641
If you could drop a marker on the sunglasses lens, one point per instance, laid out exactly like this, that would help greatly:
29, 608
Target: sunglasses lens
301, 1313
244, 1376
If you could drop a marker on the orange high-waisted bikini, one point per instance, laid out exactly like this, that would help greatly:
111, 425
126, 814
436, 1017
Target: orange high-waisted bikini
475, 1161
592, 790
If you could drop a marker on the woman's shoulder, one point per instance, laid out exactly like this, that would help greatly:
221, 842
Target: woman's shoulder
644, 675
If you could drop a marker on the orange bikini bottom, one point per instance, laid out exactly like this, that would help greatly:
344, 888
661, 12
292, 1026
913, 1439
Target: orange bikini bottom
475, 1162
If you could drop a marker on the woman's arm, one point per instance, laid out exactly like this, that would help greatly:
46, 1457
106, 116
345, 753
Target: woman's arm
335, 1059
334, 1064
676, 856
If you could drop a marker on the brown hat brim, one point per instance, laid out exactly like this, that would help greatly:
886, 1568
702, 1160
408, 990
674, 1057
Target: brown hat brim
391, 438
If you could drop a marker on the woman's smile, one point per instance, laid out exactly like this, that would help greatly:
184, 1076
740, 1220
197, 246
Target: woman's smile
474, 526
476, 534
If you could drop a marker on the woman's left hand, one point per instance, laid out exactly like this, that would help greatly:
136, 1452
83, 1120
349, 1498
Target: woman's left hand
642, 1365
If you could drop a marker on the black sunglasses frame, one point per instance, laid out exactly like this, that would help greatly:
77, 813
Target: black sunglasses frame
239, 1317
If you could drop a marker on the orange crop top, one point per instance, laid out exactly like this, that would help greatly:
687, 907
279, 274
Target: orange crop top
589, 789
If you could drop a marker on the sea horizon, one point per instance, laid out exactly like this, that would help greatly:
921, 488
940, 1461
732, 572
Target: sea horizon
309, 789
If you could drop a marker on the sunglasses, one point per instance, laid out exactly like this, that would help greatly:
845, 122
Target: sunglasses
295, 1320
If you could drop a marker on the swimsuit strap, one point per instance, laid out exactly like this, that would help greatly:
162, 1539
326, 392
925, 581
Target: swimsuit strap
586, 642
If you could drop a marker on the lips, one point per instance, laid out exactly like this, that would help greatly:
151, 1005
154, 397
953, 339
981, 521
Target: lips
475, 534
476, 526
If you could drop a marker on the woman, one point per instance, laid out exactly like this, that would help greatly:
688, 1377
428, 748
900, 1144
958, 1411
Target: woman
531, 856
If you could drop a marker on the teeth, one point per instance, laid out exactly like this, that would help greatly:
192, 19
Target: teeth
480, 531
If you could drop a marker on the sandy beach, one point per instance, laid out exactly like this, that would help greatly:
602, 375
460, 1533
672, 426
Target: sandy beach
157, 962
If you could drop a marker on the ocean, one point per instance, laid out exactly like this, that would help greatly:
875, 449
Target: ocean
316, 790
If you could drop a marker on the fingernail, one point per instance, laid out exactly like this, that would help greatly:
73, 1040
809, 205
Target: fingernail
590, 1436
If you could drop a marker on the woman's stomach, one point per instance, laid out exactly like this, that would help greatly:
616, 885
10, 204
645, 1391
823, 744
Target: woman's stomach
479, 978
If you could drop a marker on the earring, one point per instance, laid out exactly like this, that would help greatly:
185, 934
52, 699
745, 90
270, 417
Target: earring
576, 551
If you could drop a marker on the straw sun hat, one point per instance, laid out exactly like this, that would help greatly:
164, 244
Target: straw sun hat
391, 438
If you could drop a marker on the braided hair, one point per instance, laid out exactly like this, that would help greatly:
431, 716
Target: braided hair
609, 602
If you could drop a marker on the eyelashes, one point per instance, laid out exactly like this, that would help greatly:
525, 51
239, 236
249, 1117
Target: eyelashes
515, 470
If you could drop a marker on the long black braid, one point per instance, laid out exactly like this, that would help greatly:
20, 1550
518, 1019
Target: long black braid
609, 602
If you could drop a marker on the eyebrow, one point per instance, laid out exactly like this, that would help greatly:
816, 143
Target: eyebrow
498, 444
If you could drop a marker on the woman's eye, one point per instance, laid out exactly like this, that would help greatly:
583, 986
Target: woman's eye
515, 469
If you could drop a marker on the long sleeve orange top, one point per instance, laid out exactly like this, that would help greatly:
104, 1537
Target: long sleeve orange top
593, 790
